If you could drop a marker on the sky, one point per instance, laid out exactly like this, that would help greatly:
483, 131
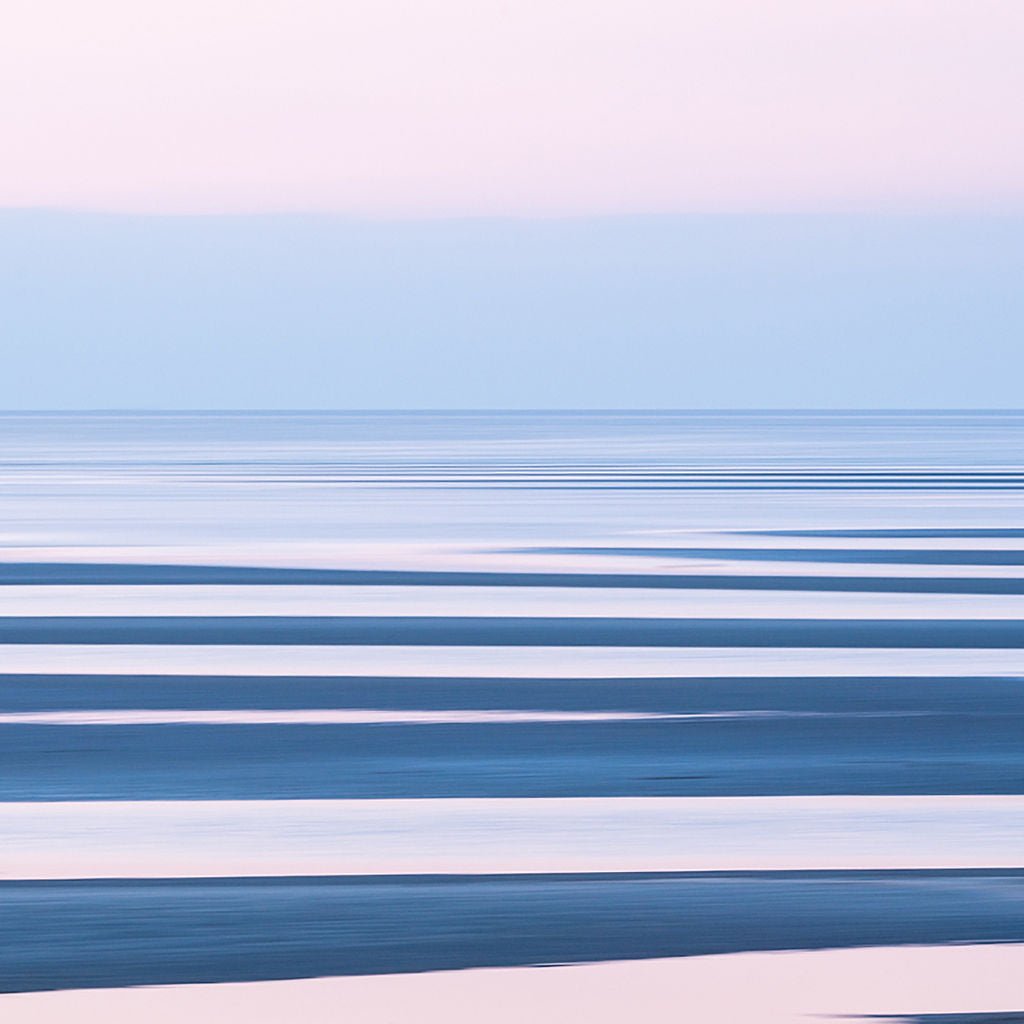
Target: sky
473, 203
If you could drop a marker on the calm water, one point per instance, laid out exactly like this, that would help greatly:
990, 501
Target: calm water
288, 694
467, 477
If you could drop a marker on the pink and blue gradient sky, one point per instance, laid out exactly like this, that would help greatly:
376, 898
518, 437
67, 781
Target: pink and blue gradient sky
430, 108
511, 203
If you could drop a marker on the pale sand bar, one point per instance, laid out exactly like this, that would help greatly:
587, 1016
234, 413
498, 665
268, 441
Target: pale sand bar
490, 601
899, 983
128, 839
504, 662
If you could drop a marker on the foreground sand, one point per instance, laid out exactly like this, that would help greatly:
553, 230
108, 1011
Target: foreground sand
745, 988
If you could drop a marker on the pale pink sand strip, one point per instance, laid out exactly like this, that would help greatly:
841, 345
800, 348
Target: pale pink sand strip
744, 988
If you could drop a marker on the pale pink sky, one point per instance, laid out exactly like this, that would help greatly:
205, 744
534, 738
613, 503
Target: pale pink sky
438, 107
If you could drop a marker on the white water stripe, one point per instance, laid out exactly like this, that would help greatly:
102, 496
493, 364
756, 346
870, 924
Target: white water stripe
872, 985
502, 662
319, 716
390, 716
288, 837
525, 602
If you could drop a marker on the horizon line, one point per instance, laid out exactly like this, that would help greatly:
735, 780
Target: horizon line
513, 410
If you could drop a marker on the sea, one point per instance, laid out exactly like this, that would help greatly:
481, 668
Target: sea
302, 694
